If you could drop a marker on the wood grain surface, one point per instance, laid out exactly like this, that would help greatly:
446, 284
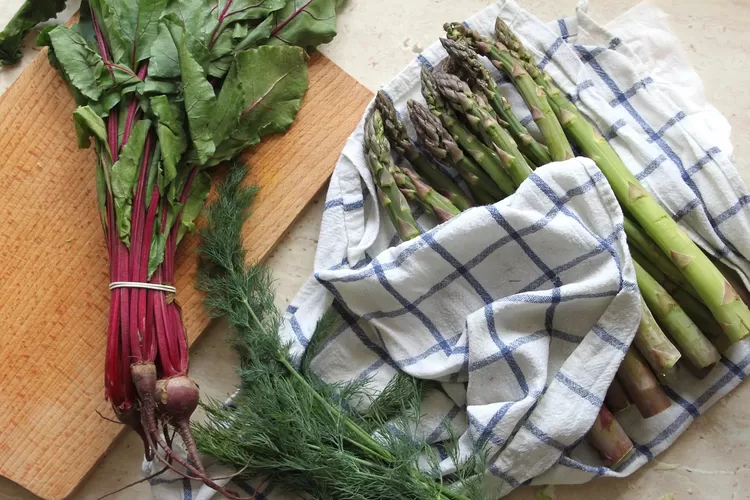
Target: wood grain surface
54, 272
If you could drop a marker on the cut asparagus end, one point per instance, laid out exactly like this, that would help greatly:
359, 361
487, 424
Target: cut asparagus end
641, 385
617, 399
609, 439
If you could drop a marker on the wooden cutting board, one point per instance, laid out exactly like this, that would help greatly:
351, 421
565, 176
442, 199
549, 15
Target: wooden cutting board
53, 272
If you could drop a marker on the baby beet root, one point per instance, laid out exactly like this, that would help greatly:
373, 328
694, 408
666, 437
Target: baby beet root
176, 400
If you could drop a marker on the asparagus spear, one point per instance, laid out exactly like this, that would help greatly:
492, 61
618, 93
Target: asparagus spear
467, 59
534, 96
641, 385
483, 155
463, 100
617, 399
609, 439
439, 143
510, 40
415, 188
379, 159
714, 290
395, 130
639, 239
698, 312
675, 321
651, 342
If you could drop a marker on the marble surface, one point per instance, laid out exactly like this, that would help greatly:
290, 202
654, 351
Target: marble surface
377, 38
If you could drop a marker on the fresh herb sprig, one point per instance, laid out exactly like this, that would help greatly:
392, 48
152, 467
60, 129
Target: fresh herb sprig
286, 425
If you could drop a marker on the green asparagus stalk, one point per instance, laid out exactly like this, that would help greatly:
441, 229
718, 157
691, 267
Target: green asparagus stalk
510, 40
698, 312
395, 130
459, 95
415, 188
639, 239
617, 399
483, 155
693, 344
609, 438
641, 385
502, 59
653, 344
468, 61
378, 153
714, 290
441, 145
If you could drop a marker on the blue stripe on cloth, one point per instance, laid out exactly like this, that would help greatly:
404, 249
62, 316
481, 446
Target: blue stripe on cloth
444, 425
297, 329
560, 203
567, 337
526, 120
670, 123
460, 268
564, 33
573, 464
407, 252
339, 202
424, 62
361, 335
733, 368
691, 205
689, 407
504, 476
486, 433
257, 495
733, 210
578, 389
550, 52
492, 358
506, 352
365, 374
427, 322
698, 404
569, 265
609, 339
586, 84
442, 452
187, 489
651, 167
622, 98
709, 157
543, 436
612, 132
435, 348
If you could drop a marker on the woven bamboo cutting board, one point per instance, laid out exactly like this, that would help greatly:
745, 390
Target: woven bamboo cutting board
53, 263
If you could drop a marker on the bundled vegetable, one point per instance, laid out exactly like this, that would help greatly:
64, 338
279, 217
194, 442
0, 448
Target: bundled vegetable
467, 124
167, 90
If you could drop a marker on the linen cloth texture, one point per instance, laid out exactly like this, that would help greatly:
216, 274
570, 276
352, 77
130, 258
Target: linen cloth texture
524, 309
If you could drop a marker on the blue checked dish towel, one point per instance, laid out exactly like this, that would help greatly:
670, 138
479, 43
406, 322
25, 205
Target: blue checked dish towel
523, 310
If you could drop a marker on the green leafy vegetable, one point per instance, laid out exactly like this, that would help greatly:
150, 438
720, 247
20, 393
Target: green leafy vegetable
165, 90
31, 13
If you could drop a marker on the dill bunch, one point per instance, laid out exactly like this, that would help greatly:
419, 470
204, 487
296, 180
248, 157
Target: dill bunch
286, 425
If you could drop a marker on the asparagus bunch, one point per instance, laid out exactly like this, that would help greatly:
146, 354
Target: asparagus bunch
713, 289
395, 131
381, 164
469, 125
481, 80
441, 145
459, 95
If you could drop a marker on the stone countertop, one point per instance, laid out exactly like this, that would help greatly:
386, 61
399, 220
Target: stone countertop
376, 40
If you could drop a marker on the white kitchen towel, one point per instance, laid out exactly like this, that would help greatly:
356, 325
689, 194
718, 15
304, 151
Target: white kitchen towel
523, 309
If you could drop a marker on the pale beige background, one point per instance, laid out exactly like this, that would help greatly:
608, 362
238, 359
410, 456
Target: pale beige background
377, 38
